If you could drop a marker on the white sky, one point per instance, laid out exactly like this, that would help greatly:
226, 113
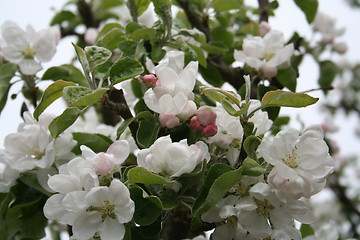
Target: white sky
289, 18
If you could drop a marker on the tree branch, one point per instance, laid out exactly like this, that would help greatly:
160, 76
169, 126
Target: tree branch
264, 10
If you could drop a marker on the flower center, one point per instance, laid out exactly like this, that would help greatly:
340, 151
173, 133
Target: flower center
106, 210
232, 221
28, 53
290, 160
268, 55
264, 208
35, 153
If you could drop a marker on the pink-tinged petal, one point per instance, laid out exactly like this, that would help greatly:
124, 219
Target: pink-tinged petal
120, 150
14, 35
239, 55
254, 62
254, 47
188, 75
29, 66
12, 54
167, 77
168, 120
86, 225
111, 229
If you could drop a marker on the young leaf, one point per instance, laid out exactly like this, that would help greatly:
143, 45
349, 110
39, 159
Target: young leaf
85, 64
7, 72
219, 180
65, 120
141, 175
97, 142
53, 92
125, 68
143, 33
81, 96
66, 72
309, 8
287, 78
96, 56
250, 145
251, 168
142, 5
281, 98
127, 122
163, 10
147, 133
111, 39
226, 5
328, 71
147, 209
306, 230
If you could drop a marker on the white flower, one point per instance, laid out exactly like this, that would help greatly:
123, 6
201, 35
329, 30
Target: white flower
8, 175
28, 48
260, 119
267, 53
229, 134
173, 93
301, 162
172, 159
107, 209
104, 163
326, 26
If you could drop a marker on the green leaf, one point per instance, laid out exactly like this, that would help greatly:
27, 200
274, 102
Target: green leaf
65, 120
281, 98
53, 92
97, 142
85, 64
211, 75
251, 168
143, 33
127, 122
125, 68
219, 95
30, 179
82, 96
147, 133
200, 55
142, 5
306, 230
250, 145
219, 180
147, 209
309, 8
163, 10
141, 175
7, 72
328, 71
197, 35
226, 5
287, 78
64, 16
107, 28
96, 56
111, 39
66, 72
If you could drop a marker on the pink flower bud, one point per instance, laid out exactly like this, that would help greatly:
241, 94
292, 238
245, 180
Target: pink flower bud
168, 120
264, 28
269, 71
340, 47
103, 164
149, 79
210, 130
90, 36
195, 124
206, 115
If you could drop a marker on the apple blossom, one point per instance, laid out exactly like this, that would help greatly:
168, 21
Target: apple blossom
168, 120
301, 162
107, 209
267, 54
28, 48
326, 26
8, 175
173, 159
264, 28
173, 93
260, 119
